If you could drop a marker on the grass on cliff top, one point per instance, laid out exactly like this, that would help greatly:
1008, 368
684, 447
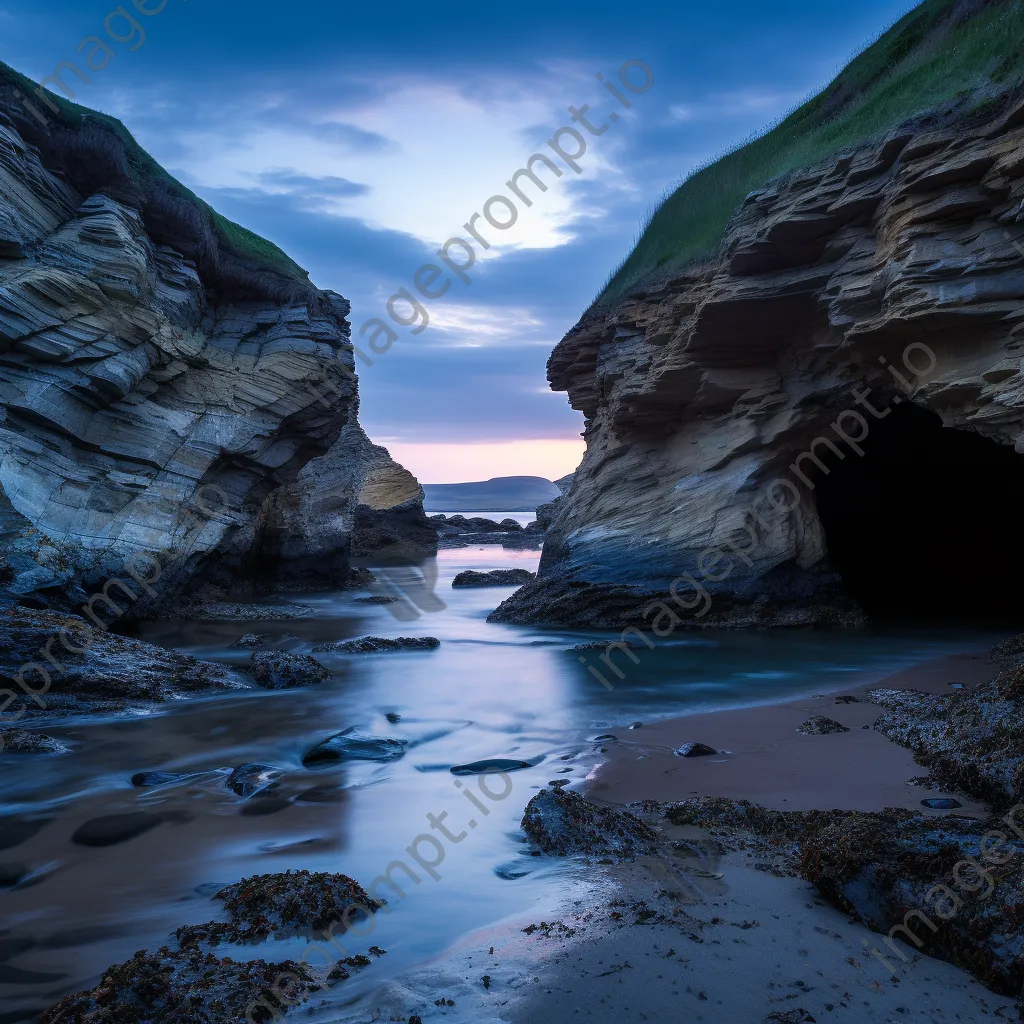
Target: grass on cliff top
232, 237
942, 51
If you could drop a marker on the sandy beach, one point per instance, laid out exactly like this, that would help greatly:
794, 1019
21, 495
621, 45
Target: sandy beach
720, 938
765, 760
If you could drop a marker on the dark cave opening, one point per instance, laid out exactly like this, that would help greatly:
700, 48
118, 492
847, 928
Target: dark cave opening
924, 524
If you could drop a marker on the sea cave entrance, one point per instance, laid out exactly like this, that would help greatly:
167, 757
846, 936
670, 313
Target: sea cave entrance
927, 523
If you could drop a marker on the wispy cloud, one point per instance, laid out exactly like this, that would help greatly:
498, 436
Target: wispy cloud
330, 186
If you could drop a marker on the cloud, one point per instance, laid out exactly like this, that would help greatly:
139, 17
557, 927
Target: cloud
348, 135
330, 186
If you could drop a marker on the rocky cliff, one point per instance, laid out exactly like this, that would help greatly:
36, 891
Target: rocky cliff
768, 432
159, 374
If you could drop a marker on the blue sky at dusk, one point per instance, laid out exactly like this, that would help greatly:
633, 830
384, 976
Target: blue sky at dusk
359, 137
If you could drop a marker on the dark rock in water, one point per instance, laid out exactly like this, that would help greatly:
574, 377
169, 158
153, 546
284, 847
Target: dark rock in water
379, 644
512, 525
250, 641
375, 599
353, 745
228, 612
494, 578
283, 905
971, 740
182, 987
819, 725
275, 670
510, 872
603, 645
604, 736
393, 717
110, 667
494, 764
249, 779
112, 829
145, 779
22, 741
695, 750
847, 699
558, 783
941, 803
797, 1016
561, 822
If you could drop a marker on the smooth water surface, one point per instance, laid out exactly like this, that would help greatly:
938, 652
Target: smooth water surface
489, 691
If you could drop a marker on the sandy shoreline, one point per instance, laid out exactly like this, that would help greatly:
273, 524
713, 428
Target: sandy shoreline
718, 941
765, 760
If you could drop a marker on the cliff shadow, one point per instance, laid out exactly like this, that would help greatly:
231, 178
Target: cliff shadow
926, 524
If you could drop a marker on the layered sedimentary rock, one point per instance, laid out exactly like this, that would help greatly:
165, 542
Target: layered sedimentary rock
353, 502
890, 275
151, 402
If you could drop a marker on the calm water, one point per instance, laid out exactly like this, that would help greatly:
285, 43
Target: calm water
490, 690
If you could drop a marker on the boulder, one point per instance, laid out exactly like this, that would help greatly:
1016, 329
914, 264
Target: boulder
495, 764
283, 905
561, 822
972, 741
275, 670
21, 741
165, 987
379, 645
353, 745
695, 750
494, 578
819, 725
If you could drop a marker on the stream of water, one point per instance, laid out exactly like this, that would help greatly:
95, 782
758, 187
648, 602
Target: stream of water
490, 690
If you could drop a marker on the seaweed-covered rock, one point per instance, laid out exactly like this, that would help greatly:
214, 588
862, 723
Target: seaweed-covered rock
21, 741
494, 578
353, 745
1011, 647
187, 987
971, 740
955, 884
378, 645
283, 905
950, 887
819, 725
561, 822
275, 670
97, 667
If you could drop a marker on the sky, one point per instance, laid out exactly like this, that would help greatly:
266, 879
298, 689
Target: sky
361, 137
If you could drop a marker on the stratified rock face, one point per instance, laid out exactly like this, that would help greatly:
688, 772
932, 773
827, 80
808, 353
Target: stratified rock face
145, 421
354, 501
903, 256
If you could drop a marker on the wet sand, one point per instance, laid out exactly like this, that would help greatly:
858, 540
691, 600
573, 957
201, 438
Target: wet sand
719, 941
765, 760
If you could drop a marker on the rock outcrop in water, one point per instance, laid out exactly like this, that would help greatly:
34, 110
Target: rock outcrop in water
159, 391
845, 300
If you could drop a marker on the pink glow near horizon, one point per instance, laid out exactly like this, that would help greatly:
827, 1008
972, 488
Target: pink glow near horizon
464, 463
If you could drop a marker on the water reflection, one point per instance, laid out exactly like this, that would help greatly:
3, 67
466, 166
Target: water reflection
72, 908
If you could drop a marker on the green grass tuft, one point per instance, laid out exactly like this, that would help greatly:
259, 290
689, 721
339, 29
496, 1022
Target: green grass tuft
942, 51
257, 252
